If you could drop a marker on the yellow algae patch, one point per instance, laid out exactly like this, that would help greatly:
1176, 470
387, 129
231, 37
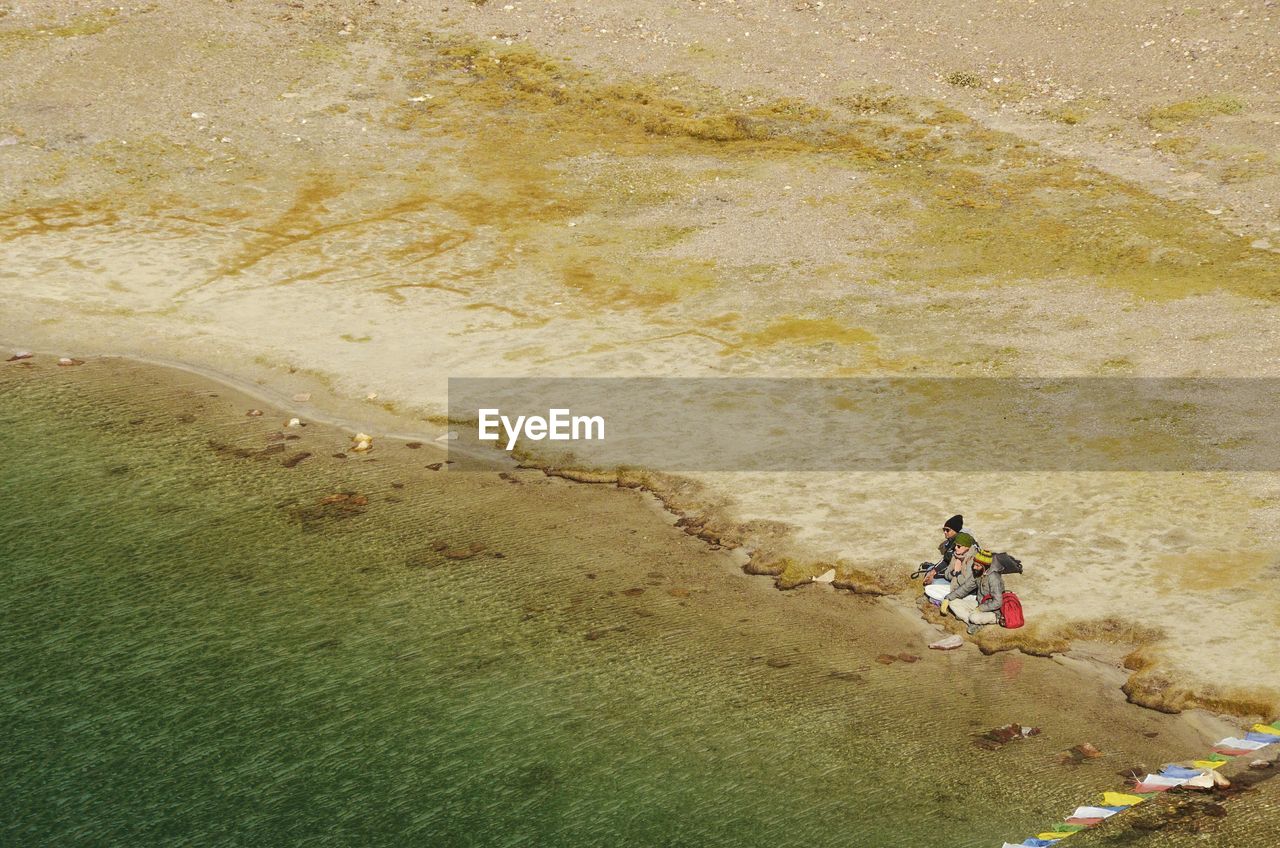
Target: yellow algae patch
806, 331
653, 284
90, 24
1168, 117
1204, 571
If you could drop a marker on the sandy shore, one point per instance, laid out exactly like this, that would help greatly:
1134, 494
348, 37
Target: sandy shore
359, 202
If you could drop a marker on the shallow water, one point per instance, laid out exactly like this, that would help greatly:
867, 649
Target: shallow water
197, 650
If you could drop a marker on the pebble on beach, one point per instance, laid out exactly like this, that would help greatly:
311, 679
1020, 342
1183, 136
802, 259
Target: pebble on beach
67, 360
19, 354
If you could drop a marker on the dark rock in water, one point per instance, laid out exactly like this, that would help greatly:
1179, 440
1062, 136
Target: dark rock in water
339, 456
778, 662
135, 421
1001, 736
908, 658
632, 593
1151, 734
329, 509
117, 470
1076, 755
436, 466
413, 445
420, 559
269, 450
292, 437
886, 659
848, 676
397, 485
295, 459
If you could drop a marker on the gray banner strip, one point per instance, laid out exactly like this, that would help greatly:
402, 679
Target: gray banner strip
897, 424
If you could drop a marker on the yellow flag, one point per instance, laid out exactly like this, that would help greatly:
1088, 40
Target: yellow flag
1120, 799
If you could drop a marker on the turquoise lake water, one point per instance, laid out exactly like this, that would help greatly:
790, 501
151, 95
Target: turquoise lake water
197, 649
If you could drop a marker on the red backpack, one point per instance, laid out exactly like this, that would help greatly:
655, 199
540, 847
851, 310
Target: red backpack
1011, 611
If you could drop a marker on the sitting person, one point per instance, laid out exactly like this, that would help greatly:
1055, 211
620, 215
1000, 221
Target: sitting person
976, 599
946, 549
961, 567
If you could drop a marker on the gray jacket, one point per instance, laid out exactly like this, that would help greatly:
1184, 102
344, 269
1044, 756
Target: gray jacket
989, 587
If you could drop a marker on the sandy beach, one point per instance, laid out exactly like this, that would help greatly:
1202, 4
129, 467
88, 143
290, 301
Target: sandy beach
351, 203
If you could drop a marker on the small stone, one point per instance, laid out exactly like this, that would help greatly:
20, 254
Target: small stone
908, 658
295, 459
1260, 765
66, 361
293, 422
1086, 751
413, 445
777, 662
633, 593
254, 413
19, 354
886, 659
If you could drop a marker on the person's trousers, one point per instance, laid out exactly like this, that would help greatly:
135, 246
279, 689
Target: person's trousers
966, 609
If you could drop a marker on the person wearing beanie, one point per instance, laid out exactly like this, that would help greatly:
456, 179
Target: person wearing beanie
976, 599
951, 530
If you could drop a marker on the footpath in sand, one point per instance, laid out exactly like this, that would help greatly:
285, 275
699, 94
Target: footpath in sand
365, 199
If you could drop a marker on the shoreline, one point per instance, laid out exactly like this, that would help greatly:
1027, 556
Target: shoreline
1112, 663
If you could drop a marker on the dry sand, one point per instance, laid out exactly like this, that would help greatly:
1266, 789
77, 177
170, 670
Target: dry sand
364, 198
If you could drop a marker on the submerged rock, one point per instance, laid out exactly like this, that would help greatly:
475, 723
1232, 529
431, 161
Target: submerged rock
1000, 736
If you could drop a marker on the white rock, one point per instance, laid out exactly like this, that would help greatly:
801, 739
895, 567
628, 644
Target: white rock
828, 576
293, 422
